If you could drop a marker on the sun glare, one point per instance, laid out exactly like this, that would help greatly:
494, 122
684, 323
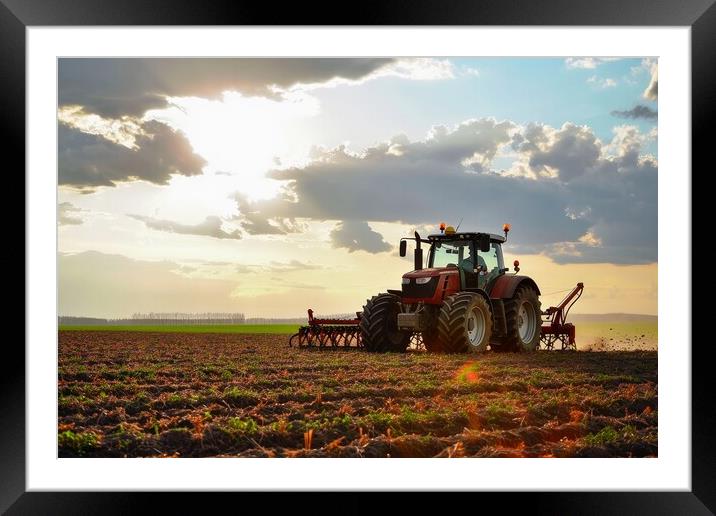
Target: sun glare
243, 138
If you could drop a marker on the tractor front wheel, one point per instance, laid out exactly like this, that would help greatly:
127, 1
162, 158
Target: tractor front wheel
464, 323
379, 325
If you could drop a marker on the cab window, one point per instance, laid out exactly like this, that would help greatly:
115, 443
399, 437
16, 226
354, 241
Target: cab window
490, 258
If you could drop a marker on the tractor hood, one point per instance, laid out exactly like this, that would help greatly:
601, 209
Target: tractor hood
421, 286
429, 273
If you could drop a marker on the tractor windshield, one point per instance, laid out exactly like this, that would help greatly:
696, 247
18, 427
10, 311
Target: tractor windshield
444, 254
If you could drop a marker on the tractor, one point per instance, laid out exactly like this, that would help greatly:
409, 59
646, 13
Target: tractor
463, 300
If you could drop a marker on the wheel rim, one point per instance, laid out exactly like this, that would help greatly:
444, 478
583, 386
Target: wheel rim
526, 322
475, 327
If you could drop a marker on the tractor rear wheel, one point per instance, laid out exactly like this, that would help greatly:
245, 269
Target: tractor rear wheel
464, 323
379, 325
524, 321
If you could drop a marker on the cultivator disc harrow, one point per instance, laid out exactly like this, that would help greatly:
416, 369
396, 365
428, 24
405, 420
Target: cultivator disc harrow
328, 333
337, 334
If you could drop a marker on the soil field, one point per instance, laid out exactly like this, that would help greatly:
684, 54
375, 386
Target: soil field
144, 394
275, 329
617, 336
591, 335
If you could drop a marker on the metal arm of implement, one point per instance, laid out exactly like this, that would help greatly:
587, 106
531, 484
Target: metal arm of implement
555, 328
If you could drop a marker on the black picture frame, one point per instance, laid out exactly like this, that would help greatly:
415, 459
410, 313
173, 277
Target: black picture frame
700, 15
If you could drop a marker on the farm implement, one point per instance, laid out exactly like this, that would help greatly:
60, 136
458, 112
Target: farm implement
462, 301
328, 333
555, 327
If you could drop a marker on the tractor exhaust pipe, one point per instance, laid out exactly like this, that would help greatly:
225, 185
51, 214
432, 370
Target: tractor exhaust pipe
418, 253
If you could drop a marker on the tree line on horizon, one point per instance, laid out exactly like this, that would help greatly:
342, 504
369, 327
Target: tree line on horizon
179, 318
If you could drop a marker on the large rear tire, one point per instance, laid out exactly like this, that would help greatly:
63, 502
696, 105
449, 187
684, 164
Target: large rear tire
379, 325
524, 321
464, 324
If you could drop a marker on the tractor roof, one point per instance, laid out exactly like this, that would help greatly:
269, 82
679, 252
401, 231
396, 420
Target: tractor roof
466, 236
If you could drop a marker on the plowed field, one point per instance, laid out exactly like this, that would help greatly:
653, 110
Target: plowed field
133, 394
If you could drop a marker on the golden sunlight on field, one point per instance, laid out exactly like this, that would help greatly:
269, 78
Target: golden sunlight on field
134, 394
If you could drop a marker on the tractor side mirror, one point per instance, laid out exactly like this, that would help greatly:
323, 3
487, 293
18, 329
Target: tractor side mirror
484, 242
403, 247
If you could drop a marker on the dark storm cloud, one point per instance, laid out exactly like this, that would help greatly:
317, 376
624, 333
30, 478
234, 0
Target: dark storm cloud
87, 161
637, 112
357, 236
124, 86
607, 200
211, 227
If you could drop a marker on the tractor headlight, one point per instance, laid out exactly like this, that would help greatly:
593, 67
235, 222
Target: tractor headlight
422, 281
406, 281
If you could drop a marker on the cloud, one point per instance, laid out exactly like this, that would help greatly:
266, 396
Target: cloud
411, 68
284, 283
211, 227
87, 161
588, 63
278, 267
255, 224
569, 152
652, 90
292, 265
563, 183
95, 284
602, 83
638, 111
117, 87
65, 214
123, 131
357, 236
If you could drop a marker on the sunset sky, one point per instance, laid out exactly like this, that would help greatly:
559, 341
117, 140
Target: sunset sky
267, 186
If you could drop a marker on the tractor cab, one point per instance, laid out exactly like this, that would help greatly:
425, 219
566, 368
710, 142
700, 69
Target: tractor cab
476, 256
465, 261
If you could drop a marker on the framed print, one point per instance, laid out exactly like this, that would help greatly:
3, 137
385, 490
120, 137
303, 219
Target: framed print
447, 252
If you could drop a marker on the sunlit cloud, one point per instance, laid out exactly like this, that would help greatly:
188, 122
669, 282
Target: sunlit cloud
212, 227
588, 63
122, 131
652, 90
415, 69
88, 161
241, 136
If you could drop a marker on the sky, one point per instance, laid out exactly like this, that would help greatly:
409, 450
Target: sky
268, 186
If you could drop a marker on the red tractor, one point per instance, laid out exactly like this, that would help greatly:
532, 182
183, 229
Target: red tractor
462, 301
